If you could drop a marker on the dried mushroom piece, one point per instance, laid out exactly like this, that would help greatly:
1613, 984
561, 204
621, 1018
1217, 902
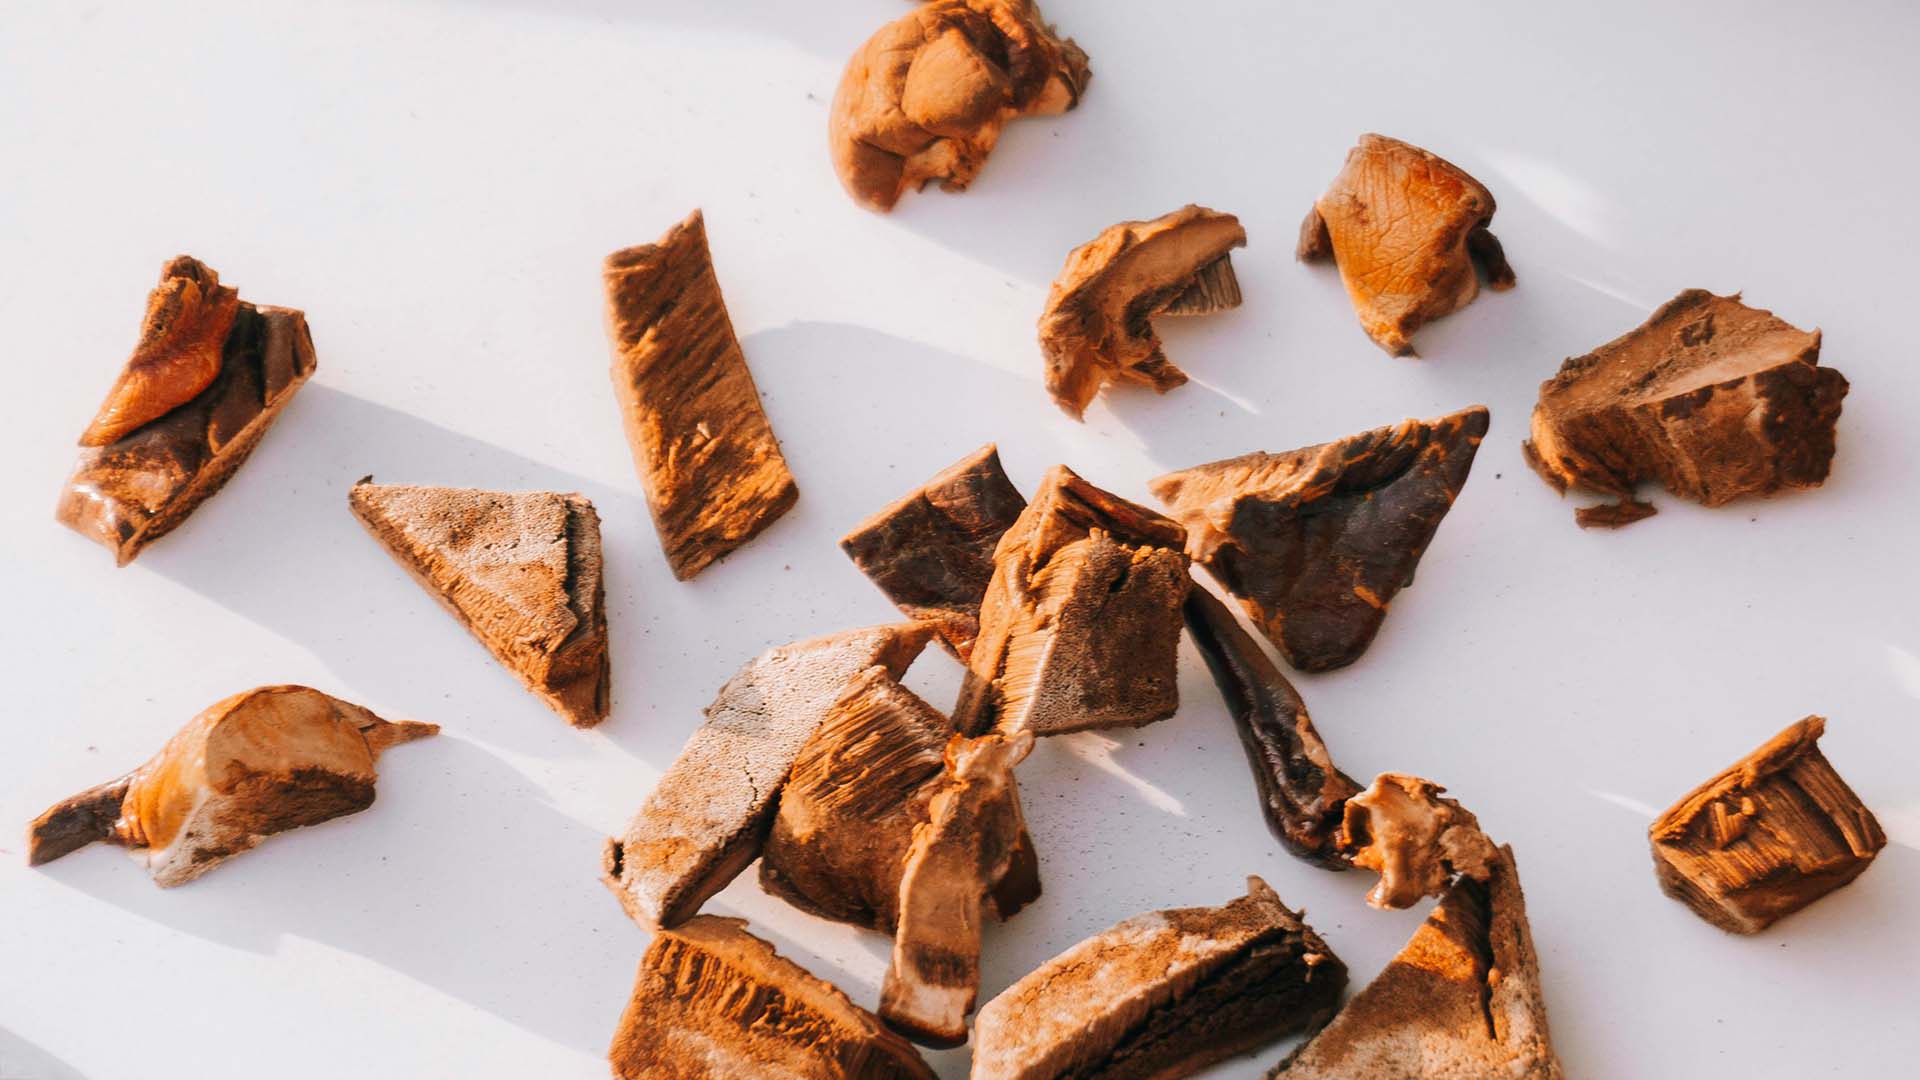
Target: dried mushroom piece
967, 844
1098, 324
1767, 837
1163, 995
932, 551
712, 1000
925, 97
1316, 542
1081, 623
711, 812
521, 570
1709, 398
1417, 841
708, 461
210, 374
260, 762
1301, 792
1408, 229
1462, 1001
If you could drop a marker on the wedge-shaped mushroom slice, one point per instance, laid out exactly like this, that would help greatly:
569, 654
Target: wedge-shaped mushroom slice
709, 464
713, 1001
260, 762
1098, 324
1408, 229
1301, 792
932, 551
710, 813
1709, 398
1316, 542
1081, 623
858, 788
1462, 1001
521, 570
1416, 840
209, 376
927, 95
1163, 995
1767, 837
968, 844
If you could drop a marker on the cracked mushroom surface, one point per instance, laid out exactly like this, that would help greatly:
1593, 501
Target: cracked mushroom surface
1417, 841
925, 98
1098, 324
260, 762
1709, 398
1408, 230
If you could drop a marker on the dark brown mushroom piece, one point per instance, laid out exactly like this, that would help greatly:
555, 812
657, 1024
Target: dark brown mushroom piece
1317, 542
708, 461
1417, 841
1164, 994
258, 763
1709, 398
1080, 627
859, 787
968, 844
712, 1000
1302, 793
1408, 230
1098, 324
709, 815
521, 570
1462, 999
931, 552
1768, 836
209, 376
925, 98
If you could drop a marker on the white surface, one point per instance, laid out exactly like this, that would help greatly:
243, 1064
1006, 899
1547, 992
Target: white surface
435, 185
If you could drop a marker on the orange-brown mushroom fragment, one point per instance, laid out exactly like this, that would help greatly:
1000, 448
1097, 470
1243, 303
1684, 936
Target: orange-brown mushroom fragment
1768, 836
260, 762
1461, 1001
712, 1000
931, 552
1081, 623
925, 98
1098, 324
209, 375
1408, 230
708, 461
1709, 398
1417, 841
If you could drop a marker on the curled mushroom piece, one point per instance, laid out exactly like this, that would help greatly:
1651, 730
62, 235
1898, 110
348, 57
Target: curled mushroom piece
1416, 840
1408, 229
260, 762
925, 97
1098, 324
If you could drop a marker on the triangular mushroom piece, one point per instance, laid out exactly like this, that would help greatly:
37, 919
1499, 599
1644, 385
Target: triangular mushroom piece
1408, 230
713, 1001
1317, 541
1462, 1001
710, 813
522, 570
709, 464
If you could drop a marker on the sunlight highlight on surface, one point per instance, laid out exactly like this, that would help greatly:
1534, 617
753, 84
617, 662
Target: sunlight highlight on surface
1906, 669
1625, 802
1097, 751
1564, 197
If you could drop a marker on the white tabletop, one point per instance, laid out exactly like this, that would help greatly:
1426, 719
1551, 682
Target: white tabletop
435, 184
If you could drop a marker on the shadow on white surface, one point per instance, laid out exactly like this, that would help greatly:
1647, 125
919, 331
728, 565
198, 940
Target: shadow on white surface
22, 1060
498, 909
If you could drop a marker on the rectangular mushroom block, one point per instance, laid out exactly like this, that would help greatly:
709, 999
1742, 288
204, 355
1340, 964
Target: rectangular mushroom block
1163, 995
712, 470
208, 377
932, 551
710, 813
1770, 835
1081, 622
713, 1001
